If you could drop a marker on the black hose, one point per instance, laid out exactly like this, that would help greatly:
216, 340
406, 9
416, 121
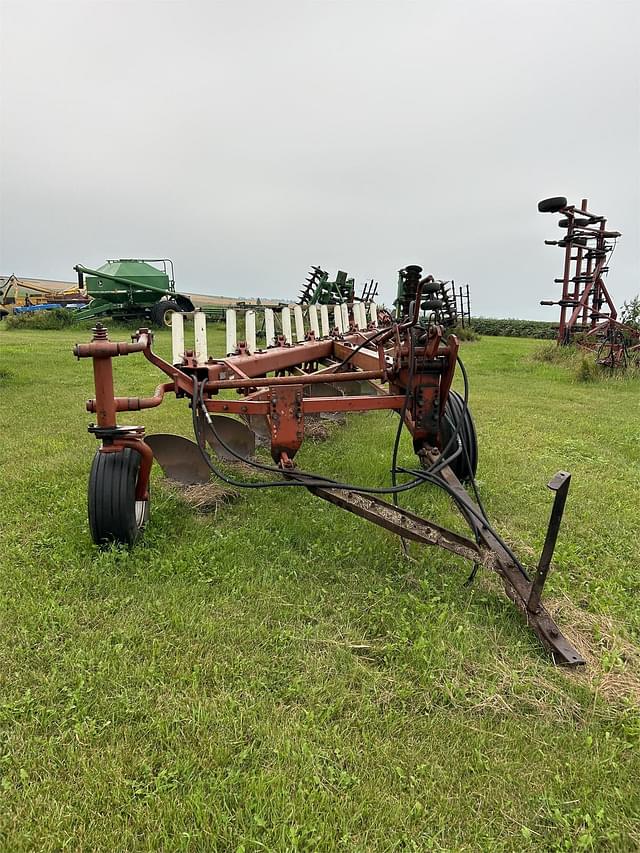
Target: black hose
396, 443
295, 477
357, 349
308, 480
466, 438
478, 514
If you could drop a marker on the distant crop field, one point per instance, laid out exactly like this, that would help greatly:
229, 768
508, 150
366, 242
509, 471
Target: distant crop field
270, 673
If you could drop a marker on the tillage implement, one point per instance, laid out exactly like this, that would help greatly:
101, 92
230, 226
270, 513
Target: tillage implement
588, 315
332, 359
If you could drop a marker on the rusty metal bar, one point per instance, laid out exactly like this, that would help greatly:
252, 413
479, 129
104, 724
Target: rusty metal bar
364, 359
300, 379
516, 585
105, 402
102, 348
406, 524
308, 405
134, 404
560, 485
361, 403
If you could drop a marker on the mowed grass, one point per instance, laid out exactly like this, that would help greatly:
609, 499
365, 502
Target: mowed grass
273, 674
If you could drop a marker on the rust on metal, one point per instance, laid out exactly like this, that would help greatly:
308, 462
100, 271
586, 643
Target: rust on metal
403, 367
588, 314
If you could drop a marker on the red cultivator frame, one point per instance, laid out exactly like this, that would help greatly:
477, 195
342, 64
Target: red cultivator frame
586, 305
405, 368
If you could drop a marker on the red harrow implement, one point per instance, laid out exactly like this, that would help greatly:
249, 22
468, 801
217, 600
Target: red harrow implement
586, 306
350, 366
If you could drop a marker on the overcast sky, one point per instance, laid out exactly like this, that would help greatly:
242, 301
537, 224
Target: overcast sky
249, 140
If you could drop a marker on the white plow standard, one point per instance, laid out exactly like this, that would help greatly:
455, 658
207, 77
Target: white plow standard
260, 327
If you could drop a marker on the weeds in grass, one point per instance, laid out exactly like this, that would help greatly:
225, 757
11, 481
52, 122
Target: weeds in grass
630, 314
551, 353
588, 370
577, 829
465, 333
56, 318
582, 363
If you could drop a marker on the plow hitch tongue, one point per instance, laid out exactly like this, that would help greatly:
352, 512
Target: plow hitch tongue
345, 358
488, 551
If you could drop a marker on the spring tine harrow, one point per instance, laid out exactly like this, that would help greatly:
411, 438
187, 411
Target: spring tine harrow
588, 313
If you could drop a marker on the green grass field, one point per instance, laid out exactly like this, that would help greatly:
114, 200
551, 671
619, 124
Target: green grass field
272, 673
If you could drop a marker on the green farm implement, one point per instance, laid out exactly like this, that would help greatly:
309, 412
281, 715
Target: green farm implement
132, 289
319, 290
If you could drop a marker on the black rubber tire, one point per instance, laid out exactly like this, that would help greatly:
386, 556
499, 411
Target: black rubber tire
465, 465
574, 241
552, 205
115, 517
161, 312
184, 304
432, 305
578, 223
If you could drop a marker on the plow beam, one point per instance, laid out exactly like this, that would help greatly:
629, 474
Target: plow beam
406, 524
488, 552
517, 584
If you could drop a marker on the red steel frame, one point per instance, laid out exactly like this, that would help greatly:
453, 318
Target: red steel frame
419, 372
584, 293
280, 397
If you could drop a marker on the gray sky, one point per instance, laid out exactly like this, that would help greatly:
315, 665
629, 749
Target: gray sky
249, 140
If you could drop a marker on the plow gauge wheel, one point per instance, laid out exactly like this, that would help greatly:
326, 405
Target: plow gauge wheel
115, 516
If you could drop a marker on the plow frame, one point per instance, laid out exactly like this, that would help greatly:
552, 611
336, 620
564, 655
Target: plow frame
418, 372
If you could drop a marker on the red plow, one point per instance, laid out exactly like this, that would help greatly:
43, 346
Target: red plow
354, 365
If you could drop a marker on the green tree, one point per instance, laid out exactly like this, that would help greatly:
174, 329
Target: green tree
630, 314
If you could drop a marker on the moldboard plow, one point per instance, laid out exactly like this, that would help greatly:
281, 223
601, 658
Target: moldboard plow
349, 365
